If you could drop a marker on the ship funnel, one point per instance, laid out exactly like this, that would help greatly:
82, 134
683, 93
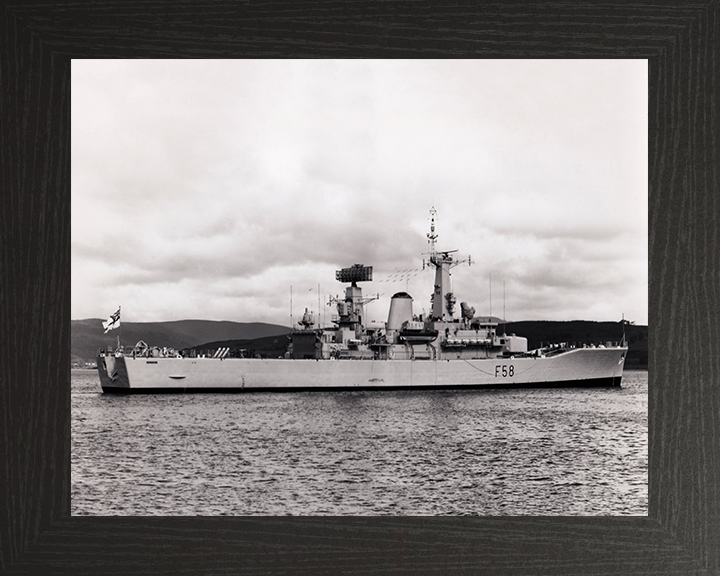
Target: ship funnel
400, 311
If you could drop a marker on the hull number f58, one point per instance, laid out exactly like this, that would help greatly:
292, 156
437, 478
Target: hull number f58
504, 370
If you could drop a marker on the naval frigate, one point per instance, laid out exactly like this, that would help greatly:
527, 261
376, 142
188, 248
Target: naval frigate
441, 349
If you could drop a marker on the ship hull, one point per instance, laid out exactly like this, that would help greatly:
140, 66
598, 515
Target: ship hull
576, 367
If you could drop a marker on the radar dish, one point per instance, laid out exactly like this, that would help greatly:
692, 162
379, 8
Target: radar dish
356, 273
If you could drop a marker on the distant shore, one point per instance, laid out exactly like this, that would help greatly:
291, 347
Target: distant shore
270, 340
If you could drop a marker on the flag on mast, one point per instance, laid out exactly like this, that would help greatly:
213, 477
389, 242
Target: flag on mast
112, 322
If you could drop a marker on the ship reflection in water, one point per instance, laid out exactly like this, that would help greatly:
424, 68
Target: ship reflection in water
570, 451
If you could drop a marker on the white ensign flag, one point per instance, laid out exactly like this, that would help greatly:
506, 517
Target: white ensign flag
112, 322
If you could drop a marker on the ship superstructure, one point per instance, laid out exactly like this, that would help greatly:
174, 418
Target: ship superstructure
436, 350
406, 335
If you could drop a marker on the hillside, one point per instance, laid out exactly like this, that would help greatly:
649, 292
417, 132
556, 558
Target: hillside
538, 333
270, 341
86, 336
267, 347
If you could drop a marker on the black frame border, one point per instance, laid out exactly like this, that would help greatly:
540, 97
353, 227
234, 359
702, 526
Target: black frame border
680, 42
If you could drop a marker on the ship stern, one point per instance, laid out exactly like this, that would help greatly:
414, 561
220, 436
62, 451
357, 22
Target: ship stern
113, 374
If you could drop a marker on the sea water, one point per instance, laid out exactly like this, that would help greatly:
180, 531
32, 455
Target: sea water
568, 451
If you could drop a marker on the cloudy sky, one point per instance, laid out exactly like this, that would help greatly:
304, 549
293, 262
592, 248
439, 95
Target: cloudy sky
206, 189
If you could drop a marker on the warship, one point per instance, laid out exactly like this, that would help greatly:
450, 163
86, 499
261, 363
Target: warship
438, 350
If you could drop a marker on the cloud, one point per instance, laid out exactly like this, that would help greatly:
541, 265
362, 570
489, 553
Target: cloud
206, 189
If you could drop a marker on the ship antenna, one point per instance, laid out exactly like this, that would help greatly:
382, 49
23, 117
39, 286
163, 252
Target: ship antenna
432, 236
503, 307
490, 291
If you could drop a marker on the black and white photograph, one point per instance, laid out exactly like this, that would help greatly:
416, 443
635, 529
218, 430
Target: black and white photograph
359, 287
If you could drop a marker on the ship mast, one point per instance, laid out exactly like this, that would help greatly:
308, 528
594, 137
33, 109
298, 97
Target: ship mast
442, 300
432, 236
351, 309
119, 329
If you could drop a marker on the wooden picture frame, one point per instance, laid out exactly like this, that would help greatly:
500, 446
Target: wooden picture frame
682, 531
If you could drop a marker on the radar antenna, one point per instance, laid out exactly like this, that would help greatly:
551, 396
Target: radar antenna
356, 273
438, 257
351, 309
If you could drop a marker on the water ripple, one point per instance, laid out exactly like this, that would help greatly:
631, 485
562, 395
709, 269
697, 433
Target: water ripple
519, 452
